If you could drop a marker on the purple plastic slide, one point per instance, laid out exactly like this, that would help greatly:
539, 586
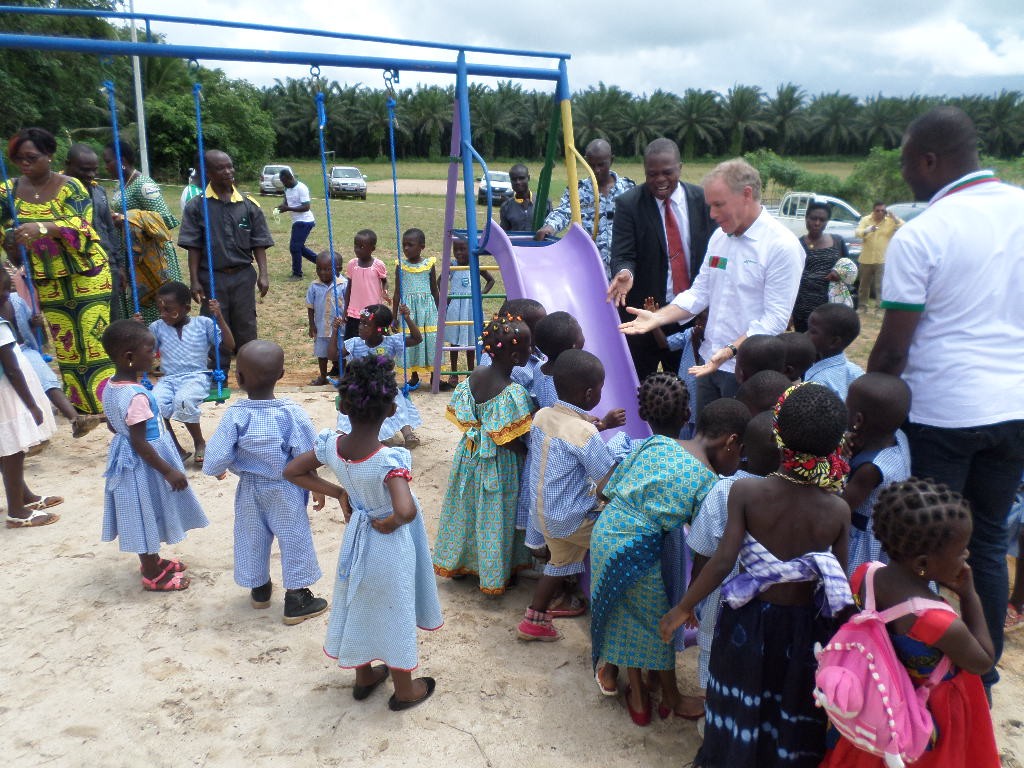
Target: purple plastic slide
568, 275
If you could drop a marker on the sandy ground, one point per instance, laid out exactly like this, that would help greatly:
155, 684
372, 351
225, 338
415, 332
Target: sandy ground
97, 672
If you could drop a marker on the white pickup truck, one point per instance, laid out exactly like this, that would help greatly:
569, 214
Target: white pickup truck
843, 222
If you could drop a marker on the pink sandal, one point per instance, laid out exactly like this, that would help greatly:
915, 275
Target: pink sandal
176, 583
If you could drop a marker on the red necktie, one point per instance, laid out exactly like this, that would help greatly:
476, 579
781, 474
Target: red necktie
676, 251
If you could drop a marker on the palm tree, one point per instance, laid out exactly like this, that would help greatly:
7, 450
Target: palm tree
1000, 124
640, 122
594, 112
369, 118
697, 121
786, 114
833, 121
430, 111
743, 116
881, 122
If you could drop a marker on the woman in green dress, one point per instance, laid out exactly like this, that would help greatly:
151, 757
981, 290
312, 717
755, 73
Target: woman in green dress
155, 263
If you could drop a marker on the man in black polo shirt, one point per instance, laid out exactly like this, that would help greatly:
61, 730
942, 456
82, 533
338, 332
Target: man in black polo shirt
238, 235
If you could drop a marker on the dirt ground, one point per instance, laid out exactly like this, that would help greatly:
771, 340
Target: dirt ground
97, 672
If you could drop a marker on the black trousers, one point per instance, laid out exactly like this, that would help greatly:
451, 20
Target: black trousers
236, 292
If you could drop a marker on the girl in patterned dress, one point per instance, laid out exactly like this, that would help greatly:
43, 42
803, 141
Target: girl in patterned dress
877, 404
416, 287
657, 488
374, 321
147, 497
477, 530
461, 310
385, 587
789, 532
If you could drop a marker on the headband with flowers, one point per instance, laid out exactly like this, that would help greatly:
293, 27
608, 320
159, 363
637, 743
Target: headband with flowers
827, 472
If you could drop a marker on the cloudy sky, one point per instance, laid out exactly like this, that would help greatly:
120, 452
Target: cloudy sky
862, 47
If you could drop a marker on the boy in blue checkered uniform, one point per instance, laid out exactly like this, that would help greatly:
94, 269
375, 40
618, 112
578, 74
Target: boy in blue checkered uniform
256, 439
832, 328
565, 462
325, 302
184, 343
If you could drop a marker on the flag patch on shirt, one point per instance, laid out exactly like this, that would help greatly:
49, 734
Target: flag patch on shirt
718, 262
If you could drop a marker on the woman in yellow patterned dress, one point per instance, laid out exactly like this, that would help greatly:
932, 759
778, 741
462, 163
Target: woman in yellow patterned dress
68, 265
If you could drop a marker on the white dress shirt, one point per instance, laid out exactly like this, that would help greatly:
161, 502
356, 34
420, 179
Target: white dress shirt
749, 283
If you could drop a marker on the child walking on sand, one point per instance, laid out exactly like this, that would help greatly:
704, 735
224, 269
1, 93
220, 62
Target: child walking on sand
477, 530
385, 587
184, 343
877, 404
416, 287
789, 532
924, 528
147, 497
374, 322
325, 304
461, 309
655, 490
255, 439
367, 281
25, 421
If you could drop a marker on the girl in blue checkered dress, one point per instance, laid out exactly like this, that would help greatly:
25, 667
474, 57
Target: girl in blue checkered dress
147, 497
385, 585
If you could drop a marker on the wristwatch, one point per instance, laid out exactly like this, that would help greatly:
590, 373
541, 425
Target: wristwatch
733, 348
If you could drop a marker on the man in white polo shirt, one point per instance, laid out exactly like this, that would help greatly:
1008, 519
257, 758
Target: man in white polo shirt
748, 280
954, 329
296, 202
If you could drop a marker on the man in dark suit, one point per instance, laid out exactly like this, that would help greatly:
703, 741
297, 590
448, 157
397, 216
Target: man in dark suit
660, 235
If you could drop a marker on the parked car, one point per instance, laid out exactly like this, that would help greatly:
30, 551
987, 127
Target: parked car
347, 181
501, 188
906, 211
270, 179
843, 222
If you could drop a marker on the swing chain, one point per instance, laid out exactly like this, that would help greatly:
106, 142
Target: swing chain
390, 78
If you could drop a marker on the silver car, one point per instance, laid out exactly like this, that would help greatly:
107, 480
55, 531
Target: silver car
347, 181
501, 188
270, 179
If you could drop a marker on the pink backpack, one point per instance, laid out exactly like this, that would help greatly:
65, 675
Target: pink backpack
866, 691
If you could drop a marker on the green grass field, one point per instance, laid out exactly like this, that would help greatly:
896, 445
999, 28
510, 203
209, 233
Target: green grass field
282, 314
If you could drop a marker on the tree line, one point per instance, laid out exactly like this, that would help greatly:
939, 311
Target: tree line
61, 92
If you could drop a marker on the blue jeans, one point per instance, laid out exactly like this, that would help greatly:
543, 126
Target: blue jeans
984, 464
297, 245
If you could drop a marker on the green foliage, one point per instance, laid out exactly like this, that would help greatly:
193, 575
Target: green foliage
876, 178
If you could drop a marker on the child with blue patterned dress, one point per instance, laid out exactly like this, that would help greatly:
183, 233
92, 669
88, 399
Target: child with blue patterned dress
325, 303
832, 328
416, 287
789, 532
184, 344
147, 497
385, 587
461, 310
877, 404
25, 326
255, 439
477, 530
374, 322
654, 490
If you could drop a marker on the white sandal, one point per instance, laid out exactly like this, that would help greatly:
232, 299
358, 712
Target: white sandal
33, 520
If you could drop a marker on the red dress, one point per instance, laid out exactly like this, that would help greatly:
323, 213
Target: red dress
958, 705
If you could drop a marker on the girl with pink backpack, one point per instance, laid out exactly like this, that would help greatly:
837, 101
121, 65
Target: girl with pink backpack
924, 528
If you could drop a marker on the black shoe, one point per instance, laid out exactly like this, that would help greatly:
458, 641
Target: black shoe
396, 705
260, 596
300, 604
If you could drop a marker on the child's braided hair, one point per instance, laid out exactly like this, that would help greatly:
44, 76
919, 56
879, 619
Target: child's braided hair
368, 388
917, 517
505, 331
663, 400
